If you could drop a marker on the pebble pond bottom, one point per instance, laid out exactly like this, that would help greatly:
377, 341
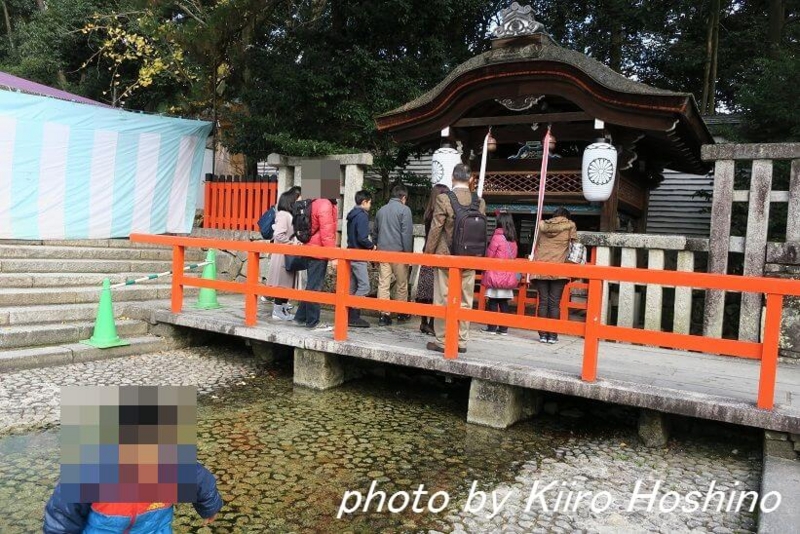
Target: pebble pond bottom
285, 457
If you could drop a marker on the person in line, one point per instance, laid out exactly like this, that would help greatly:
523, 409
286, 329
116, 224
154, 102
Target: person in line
425, 281
552, 245
440, 241
283, 233
394, 229
358, 238
323, 234
61, 517
500, 285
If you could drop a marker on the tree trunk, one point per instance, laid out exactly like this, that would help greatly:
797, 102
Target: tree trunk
712, 93
776, 22
712, 45
337, 16
709, 53
617, 37
8, 25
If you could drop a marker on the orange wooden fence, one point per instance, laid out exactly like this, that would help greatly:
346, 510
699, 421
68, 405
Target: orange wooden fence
592, 330
236, 202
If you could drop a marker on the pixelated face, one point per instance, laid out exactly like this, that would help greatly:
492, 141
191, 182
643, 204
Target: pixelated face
320, 178
129, 444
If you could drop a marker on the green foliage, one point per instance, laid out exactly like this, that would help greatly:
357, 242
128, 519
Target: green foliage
338, 64
49, 47
769, 98
309, 77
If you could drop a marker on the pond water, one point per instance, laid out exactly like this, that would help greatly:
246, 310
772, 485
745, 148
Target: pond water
284, 457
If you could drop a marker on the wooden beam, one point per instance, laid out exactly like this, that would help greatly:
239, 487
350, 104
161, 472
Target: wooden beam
577, 116
564, 132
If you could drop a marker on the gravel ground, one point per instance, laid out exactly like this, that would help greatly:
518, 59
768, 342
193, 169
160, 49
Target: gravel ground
31, 398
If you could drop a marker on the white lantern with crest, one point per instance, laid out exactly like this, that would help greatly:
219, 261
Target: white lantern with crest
443, 162
599, 170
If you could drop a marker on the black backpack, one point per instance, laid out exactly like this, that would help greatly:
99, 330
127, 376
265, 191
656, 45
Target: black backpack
266, 221
469, 229
301, 220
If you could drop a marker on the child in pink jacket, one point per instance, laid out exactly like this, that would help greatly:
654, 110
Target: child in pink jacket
500, 285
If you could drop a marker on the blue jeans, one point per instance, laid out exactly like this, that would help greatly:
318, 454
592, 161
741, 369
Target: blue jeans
308, 312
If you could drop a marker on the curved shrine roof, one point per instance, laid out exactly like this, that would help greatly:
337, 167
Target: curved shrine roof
535, 64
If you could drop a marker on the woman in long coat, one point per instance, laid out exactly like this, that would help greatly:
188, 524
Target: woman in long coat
555, 235
283, 232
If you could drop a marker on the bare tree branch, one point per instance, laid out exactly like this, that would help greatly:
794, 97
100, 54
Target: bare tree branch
191, 14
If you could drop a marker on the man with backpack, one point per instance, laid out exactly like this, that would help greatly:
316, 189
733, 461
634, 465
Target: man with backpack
458, 228
314, 222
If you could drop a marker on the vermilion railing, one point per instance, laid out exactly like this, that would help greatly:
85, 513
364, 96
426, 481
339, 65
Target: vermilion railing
522, 300
592, 330
236, 202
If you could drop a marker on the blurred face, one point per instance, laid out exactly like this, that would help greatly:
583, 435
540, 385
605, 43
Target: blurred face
552, 144
367, 204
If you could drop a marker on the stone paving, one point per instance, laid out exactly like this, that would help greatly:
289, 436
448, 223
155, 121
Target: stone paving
594, 466
30, 398
284, 456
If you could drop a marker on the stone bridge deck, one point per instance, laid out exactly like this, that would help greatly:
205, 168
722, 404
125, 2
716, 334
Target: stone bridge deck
698, 385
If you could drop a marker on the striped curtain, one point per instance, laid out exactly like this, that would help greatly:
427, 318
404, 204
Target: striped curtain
77, 171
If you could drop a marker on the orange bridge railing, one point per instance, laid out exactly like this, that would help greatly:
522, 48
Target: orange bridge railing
592, 330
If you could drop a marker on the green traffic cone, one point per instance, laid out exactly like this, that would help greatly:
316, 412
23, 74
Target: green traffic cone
105, 331
207, 298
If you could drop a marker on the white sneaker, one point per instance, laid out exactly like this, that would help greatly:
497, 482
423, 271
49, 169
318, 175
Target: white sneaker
287, 313
323, 327
278, 313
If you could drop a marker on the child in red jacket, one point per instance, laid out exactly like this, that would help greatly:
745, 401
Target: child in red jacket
500, 285
64, 517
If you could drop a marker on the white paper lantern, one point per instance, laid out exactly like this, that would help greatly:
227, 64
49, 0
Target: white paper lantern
599, 171
443, 162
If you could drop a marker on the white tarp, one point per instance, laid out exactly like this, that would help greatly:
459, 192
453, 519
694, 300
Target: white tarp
77, 171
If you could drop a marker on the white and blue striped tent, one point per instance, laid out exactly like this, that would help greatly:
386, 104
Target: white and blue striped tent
71, 170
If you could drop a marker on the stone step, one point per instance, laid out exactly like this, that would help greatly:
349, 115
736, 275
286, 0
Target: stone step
91, 253
107, 243
45, 356
83, 266
55, 313
35, 296
72, 279
51, 334
61, 313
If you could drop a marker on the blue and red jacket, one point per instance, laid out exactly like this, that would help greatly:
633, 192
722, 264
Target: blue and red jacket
74, 518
